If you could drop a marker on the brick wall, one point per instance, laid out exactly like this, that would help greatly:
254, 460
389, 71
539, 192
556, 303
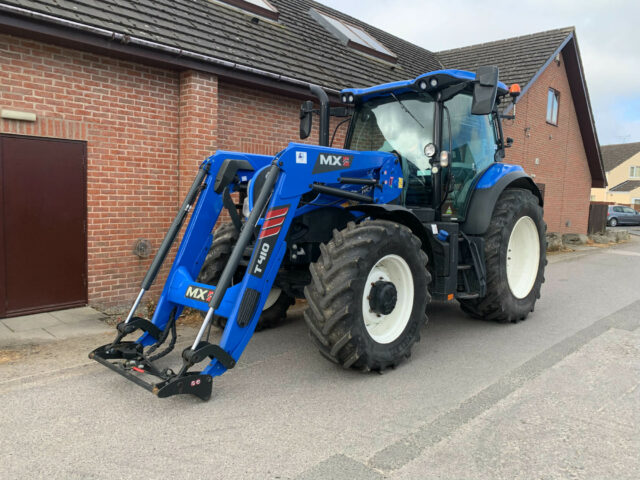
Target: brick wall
264, 123
148, 129
561, 163
127, 115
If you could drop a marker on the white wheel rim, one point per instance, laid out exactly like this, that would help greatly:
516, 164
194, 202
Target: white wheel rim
272, 298
387, 328
523, 257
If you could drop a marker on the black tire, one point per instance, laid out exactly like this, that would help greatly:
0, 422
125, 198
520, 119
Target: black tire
500, 304
224, 239
613, 222
334, 312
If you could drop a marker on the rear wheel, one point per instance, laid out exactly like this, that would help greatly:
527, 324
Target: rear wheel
613, 222
368, 295
515, 253
224, 239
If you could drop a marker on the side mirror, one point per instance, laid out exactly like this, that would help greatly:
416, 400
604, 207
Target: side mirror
485, 90
306, 119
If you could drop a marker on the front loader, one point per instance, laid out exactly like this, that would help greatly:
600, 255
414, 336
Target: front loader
418, 205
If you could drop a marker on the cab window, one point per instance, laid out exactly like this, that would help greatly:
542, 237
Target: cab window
472, 146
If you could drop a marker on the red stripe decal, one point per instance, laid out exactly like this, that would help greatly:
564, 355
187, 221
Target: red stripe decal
137, 369
273, 222
268, 232
277, 212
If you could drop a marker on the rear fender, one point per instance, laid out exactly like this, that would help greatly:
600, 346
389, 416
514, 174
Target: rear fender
487, 193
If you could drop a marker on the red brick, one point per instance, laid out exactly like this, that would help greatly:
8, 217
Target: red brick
562, 167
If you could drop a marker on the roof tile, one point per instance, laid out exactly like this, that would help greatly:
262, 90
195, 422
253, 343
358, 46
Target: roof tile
295, 46
518, 58
614, 155
626, 186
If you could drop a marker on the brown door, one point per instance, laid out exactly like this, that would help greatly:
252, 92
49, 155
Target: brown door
43, 240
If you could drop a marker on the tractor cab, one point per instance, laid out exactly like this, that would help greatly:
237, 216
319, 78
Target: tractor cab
445, 128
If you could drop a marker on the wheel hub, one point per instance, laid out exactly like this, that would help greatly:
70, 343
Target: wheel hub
383, 297
387, 299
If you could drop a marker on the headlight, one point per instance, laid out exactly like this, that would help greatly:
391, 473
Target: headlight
245, 208
429, 150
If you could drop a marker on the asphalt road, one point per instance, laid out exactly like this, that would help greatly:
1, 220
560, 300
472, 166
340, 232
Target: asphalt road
476, 400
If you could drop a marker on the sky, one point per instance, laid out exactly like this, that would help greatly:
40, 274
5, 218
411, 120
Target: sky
608, 33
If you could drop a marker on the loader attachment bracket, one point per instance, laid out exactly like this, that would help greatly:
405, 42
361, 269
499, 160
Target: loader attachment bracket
139, 323
192, 383
123, 350
208, 350
135, 363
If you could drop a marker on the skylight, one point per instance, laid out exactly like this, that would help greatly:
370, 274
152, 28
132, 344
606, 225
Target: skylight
352, 36
260, 7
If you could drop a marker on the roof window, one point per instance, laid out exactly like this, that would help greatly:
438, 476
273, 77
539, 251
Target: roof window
352, 36
259, 7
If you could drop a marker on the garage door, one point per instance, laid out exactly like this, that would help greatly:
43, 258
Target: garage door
43, 240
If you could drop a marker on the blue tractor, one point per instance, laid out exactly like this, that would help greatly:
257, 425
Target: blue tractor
417, 206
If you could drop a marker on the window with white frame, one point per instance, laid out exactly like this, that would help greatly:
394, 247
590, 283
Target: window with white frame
634, 172
552, 107
635, 201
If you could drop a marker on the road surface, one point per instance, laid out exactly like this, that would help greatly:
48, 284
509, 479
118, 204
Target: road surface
553, 397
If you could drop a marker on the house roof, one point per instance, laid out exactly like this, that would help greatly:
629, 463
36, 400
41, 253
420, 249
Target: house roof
522, 60
286, 54
519, 59
296, 47
614, 155
626, 186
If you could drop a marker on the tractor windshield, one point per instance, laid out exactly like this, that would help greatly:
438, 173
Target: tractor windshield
401, 123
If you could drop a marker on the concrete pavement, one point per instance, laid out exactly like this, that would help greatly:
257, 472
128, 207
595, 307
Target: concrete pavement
578, 419
553, 397
51, 326
632, 229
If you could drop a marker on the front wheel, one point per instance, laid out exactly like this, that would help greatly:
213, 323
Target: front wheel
515, 253
368, 295
224, 239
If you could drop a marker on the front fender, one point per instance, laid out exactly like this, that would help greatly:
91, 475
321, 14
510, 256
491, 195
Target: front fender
486, 195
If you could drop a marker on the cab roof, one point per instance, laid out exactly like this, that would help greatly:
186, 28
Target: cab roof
443, 78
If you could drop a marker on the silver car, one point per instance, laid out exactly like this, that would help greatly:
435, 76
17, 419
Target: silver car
621, 215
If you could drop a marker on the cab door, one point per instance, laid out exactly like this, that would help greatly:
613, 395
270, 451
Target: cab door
472, 148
